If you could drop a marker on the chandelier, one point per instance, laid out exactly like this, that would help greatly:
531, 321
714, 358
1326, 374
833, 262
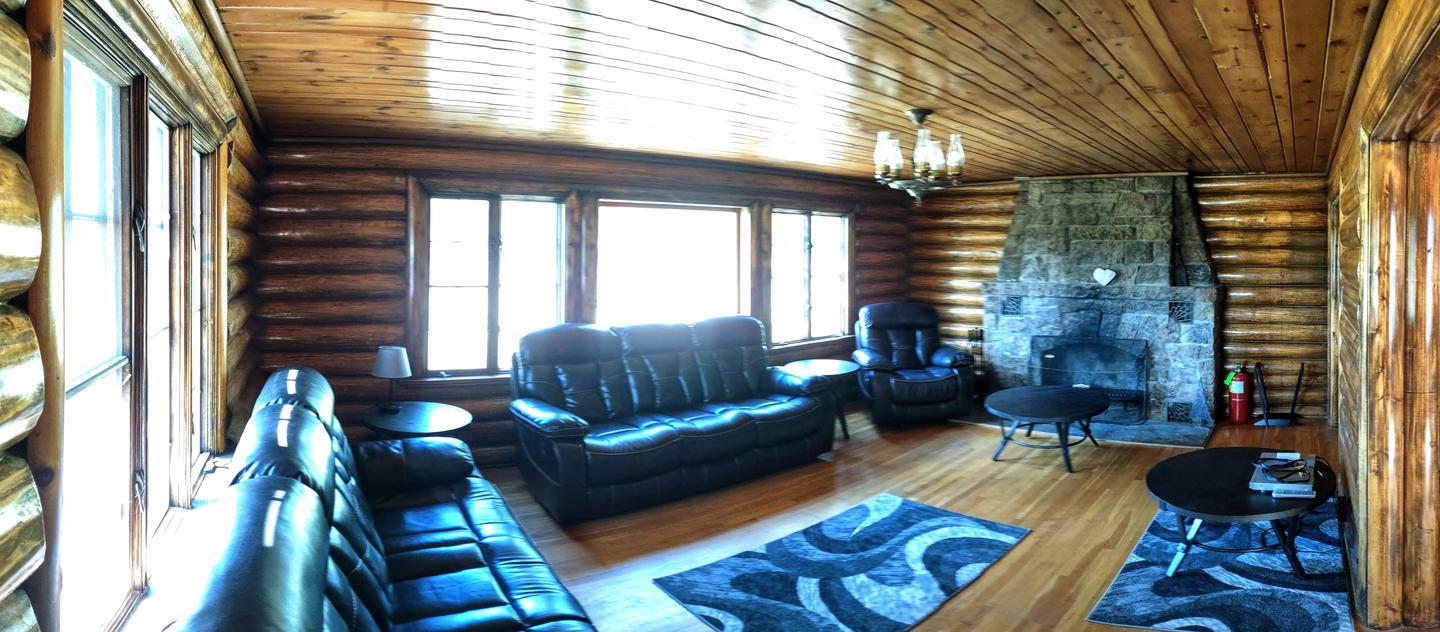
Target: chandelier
931, 168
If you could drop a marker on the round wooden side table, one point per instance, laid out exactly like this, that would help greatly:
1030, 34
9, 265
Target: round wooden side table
416, 419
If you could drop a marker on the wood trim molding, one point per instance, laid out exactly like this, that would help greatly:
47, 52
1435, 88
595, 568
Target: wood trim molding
211, 16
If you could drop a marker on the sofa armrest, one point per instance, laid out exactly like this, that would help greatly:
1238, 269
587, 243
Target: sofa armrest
548, 420
950, 357
398, 465
871, 361
778, 380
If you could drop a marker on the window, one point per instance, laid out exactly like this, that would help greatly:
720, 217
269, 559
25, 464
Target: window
492, 269
809, 275
136, 292
668, 263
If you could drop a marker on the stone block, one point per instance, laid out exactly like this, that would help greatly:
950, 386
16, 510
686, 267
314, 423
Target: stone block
1197, 334
1034, 269
1114, 184
1095, 252
1137, 252
1152, 275
1114, 232
1152, 230
1155, 184
1080, 321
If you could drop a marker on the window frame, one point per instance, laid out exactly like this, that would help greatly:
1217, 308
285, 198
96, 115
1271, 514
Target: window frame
195, 128
420, 196
810, 214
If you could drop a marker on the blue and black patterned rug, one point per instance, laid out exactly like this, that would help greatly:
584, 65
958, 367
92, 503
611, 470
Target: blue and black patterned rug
883, 565
1230, 592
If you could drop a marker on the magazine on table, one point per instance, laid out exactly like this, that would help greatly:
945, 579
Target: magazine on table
1285, 474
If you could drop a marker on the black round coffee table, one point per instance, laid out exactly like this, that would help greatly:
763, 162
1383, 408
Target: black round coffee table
1214, 485
1029, 406
416, 419
833, 369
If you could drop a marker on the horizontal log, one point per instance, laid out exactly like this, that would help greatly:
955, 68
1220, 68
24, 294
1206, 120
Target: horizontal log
1268, 257
968, 237
1274, 314
489, 432
875, 275
1215, 185
238, 313
1263, 351
898, 297
16, 613
309, 337
239, 245
22, 376
1270, 275
239, 212
337, 180
339, 232
237, 279
325, 311
1275, 295
881, 258
957, 221
881, 227
1265, 220
11, 6
22, 532
870, 290
947, 284
326, 362
1259, 202
882, 242
331, 259
966, 269
493, 456
334, 205
14, 79
242, 182
987, 252
330, 286
940, 298
1293, 239
968, 204
1281, 333
19, 215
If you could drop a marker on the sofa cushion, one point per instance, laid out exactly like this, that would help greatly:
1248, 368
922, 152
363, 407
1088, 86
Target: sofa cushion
777, 418
398, 465
730, 351
632, 447
289, 441
921, 386
660, 366
575, 367
711, 435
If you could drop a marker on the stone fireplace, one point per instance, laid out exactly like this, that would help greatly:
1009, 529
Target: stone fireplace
1147, 338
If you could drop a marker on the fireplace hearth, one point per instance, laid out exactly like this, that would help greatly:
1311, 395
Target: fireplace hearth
1106, 282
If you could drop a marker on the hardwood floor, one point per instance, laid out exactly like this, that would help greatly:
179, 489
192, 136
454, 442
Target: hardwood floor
1082, 525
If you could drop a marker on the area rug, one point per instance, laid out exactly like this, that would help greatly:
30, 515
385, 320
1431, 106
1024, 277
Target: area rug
883, 565
1231, 592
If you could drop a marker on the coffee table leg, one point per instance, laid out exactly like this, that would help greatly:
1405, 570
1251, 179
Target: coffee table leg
1085, 425
1287, 531
840, 413
1005, 436
1063, 429
1183, 548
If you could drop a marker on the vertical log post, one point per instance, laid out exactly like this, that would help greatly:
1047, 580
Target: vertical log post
45, 154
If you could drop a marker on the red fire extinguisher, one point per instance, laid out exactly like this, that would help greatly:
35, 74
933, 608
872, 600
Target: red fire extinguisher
1239, 383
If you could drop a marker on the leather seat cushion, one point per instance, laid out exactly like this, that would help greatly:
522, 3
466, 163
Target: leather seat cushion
920, 386
632, 447
708, 436
778, 418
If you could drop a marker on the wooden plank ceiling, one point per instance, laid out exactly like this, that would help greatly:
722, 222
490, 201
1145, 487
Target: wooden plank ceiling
1038, 87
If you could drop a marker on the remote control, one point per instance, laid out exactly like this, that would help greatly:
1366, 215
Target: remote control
1293, 493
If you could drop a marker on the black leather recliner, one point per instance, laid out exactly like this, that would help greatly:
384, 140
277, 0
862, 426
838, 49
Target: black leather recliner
401, 536
614, 419
905, 373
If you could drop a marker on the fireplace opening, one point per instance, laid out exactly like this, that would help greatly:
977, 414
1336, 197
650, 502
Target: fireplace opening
1117, 367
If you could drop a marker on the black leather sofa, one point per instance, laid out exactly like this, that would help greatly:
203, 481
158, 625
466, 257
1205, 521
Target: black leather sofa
614, 419
905, 373
399, 535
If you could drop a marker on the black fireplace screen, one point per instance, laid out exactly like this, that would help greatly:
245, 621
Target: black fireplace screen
1117, 367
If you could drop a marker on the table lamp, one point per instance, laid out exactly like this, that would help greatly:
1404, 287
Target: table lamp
392, 363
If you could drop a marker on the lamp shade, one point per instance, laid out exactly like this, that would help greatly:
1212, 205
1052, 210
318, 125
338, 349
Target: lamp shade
391, 361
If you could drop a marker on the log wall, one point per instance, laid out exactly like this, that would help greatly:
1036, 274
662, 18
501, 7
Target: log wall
959, 238
1382, 195
245, 190
22, 375
1267, 242
330, 264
